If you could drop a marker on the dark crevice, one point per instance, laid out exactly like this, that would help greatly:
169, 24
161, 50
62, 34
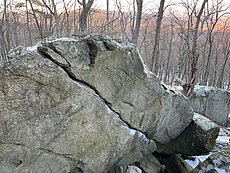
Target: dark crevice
43, 52
128, 103
93, 50
76, 170
67, 156
51, 46
164, 87
109, 46
137, 164
172, 91
18, 144
17, 163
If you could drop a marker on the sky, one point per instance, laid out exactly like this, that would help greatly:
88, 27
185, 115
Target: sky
149, 5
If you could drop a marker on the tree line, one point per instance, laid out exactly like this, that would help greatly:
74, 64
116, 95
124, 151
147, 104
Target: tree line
187, 46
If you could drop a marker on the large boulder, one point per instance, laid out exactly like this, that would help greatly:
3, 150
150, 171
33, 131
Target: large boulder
212, 102
85, 105
50, 122
198, 138
115, 71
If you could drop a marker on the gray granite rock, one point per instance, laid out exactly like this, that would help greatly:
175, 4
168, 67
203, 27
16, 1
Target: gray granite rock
84, 105
212, 102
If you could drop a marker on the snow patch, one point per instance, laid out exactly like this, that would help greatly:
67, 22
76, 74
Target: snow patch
201, 90
67, 39
223, 140
220, 170
193, 163
126, 45
197, 161
177, 88
32, 48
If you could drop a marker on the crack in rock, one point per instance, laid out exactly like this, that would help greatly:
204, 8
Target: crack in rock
52, 47
67, 156
48, 151
44, 52
93, 50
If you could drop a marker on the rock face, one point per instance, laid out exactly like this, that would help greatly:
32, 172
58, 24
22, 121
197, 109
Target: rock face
116, 72
212, 102
85, 105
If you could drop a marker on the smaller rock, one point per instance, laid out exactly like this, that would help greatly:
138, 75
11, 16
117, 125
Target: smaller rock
214, 103
198, 138
150, 164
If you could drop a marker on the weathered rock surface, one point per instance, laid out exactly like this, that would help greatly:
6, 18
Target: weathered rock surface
83, 106
198, 138
212, 102
116, 71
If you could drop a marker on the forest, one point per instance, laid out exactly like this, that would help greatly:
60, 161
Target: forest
181, 41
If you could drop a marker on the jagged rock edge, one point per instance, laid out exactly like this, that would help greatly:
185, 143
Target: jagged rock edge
41, 51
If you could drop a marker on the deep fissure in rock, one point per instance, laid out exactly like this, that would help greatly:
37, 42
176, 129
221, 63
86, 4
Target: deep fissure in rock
44, 52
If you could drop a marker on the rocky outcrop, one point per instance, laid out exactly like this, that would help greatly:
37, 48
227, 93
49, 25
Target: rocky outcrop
85, 105
212, 102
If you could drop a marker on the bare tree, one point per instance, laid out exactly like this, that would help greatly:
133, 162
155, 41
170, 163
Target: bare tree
86, 6
107, 16
194, 54
155, 56
4, 38
36, 19
212, 18
53, 11
135, 33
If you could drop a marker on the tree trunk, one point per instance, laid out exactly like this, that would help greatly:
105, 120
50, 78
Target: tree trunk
4, 37
28, 23
107, 16
83, 25
136, 31
36, 19
57, 28
167, 70
221, 77
194, 53
156, 51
